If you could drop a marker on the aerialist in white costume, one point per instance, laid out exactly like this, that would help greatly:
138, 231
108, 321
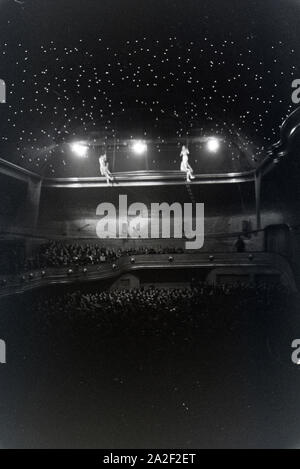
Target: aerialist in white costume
185, 164
104, 171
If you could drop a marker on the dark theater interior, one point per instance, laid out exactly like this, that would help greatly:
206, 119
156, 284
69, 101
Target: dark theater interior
142, 337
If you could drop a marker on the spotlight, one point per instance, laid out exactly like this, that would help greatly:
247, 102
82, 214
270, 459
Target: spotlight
139, 147
80, 149
213, 145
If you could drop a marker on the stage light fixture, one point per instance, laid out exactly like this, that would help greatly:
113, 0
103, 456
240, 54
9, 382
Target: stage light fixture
139, 147
80, 149
213, 145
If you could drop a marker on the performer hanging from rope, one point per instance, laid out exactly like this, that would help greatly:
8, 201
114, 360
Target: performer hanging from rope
185, 164
104, 170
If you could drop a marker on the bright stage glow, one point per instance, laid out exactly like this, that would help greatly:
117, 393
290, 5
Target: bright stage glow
213, 145
80, 149
139, 147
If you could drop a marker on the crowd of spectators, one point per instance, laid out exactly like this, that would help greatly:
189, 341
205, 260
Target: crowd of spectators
67, 254
157, 310
56, 253
151, 351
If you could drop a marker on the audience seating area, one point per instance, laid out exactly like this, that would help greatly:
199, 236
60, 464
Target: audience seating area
58, 261
69, 254
160, 311
54, 253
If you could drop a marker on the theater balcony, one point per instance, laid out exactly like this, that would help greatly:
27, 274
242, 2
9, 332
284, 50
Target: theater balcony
175, 270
